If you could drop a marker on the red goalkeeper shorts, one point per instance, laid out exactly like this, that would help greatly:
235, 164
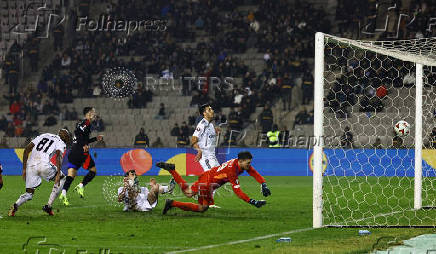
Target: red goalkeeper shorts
204, 190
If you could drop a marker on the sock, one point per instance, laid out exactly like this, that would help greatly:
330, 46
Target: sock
88, 178
81, 185
24, 198
67, 184
56, 191
163, 189
186, 206
179, 180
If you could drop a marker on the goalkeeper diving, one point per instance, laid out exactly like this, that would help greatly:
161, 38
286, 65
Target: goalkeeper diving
212, 180
142, 199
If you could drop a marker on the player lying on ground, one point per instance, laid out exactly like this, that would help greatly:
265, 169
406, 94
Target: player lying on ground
213, 179
79, 155
38, 167
136, 198
1, 178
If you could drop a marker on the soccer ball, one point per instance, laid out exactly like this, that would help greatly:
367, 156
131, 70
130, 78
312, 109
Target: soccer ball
402, 128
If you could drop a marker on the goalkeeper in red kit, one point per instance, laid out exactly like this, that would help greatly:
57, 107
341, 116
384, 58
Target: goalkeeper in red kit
212, 180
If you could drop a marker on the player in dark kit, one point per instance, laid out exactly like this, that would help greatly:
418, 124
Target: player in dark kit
79, 155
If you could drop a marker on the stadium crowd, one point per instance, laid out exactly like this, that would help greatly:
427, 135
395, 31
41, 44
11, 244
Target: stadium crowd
204, 38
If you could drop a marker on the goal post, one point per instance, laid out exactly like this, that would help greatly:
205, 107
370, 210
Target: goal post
418, 138
318, 129
374, 178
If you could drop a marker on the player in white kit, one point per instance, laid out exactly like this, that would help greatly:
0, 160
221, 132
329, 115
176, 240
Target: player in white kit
38, 167
136, 198
204, 140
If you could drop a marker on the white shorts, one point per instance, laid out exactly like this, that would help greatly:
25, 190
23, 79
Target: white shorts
35, 173
208, 161
142, 203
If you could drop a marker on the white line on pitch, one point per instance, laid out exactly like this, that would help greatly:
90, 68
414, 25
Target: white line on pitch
242, 241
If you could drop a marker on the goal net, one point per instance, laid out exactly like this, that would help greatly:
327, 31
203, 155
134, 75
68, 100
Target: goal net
364, 174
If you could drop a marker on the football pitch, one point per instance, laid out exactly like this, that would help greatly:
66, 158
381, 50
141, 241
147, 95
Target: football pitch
94, 225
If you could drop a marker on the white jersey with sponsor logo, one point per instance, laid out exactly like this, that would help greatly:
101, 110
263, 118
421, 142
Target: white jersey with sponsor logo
205, 132
45, 147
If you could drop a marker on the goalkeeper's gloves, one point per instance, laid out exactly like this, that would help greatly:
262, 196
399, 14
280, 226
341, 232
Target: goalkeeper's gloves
265, 191
257, 203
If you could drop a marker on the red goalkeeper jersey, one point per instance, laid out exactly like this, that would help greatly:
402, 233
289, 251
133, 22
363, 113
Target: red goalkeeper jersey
229, 172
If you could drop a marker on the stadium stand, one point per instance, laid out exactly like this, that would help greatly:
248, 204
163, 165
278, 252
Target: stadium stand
201, 39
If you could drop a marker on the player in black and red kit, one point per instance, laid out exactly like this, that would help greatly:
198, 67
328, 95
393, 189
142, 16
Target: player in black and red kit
79, 155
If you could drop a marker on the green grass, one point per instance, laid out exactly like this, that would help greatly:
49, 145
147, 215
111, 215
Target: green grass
92, 223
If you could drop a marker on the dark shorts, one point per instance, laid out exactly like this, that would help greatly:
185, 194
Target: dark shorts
77, 159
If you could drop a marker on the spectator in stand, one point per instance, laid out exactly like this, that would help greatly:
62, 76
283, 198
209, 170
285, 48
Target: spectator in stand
100, 144
347, 138
3, 123
230, 138
58, 36
15, 107
19, 130
185, 130
381, 91
96, 92
161, 114
73, 115
28, 132
182, 141
98, 124
65, 114
175, 131
33, 54
141, 140
273, 137
51, 120
286, 92
266, 119
66, 61
302, 118
13, 76
307, 87
157, 143
235, 121
10, 131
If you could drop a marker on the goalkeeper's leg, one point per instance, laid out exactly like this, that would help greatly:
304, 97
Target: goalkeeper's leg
179, 180
186, 206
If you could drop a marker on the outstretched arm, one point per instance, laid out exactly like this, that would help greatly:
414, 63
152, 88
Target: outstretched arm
237, 189
265, 190
256, 175
59, 158
194, 142
27, 150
